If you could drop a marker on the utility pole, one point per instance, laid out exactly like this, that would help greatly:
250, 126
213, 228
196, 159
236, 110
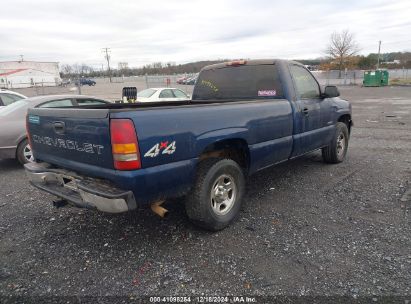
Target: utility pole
379, 50
107, 56
79, 84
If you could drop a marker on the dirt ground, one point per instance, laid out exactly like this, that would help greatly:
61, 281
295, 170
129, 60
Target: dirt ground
306, 228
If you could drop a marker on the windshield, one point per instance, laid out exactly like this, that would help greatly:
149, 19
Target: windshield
13, 107
241, 82
146, 93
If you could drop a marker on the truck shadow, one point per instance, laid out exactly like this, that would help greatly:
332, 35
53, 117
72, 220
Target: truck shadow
93, 231
7, 165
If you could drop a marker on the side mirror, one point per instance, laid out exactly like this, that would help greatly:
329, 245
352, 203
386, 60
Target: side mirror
330, 92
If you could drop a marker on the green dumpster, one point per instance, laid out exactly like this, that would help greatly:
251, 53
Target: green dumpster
375, 78
384, 77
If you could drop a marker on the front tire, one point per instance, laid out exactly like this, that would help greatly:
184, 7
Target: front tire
335, 152
24, 154
216, 198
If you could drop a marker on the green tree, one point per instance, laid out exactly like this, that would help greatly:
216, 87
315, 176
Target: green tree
368, 62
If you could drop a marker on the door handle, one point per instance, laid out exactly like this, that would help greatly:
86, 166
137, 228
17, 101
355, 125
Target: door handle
59, 127
305, 111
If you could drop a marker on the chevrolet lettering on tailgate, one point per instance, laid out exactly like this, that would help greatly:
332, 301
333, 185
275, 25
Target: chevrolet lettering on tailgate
68, 144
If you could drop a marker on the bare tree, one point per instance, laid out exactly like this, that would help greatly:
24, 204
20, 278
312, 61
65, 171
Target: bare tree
123, 65
81, 69
342, 48
67, 69
123, 68
157, 65
76, 68
86, 69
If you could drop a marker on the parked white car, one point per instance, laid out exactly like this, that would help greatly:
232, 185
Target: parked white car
8, 97
162, 94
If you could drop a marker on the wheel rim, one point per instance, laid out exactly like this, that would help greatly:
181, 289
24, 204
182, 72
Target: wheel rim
28, 154
223, 194
340, 144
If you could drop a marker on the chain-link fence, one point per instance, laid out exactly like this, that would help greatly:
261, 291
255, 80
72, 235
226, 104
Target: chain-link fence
10, 85
355, 77
113, 91
149, 80
332, 77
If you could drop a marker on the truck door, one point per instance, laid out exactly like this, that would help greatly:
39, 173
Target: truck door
307, 119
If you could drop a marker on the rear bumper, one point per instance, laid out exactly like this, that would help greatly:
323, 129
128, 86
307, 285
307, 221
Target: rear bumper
82, 191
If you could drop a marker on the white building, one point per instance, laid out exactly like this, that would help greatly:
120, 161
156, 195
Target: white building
24, 74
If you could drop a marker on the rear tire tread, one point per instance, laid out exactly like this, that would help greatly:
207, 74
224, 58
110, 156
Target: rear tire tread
196, 203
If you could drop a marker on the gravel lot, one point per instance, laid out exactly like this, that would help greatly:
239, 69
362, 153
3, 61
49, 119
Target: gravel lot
306, 228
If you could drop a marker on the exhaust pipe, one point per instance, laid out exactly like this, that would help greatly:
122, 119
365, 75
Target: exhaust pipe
157, 209
60, 203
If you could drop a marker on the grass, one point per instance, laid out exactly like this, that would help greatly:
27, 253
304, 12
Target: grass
398, 81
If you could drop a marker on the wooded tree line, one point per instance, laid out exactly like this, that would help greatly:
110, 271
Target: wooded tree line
156, 68
341, 53
368, 62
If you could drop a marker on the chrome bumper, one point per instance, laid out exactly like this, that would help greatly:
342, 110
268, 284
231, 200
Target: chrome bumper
83, 192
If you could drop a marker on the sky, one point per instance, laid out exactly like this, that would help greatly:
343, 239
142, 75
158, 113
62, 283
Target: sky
140, 32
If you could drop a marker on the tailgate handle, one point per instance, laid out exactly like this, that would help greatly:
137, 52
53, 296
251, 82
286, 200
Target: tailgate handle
59, 127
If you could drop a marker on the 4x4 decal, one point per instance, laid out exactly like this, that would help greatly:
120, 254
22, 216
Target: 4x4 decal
164, 146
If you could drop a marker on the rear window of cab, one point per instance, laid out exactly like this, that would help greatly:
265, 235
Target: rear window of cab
239, 82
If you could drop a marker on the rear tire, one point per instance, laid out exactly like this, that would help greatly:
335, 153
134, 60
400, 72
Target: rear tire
216, 198
335, 152
24, 154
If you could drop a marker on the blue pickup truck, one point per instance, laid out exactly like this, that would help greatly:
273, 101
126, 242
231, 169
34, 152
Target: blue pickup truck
85, 81
244, 116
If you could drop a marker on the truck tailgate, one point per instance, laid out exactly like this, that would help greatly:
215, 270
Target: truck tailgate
68, 135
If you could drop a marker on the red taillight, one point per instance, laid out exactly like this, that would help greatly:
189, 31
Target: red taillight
27, 130
124, 145
236, 63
